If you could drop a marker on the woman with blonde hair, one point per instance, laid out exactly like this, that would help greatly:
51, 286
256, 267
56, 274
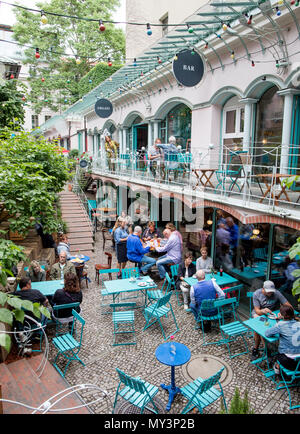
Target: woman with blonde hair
70, 293
35, 272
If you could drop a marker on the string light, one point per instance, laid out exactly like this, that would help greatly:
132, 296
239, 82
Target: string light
78, 61
225, 27
134, 62
206, 45
193, 52
232, 55
43, 79
37, 53
109, 62
101, 26
44, 19
12, 76
292, 2
149, 31
280, 2
159, 59
249, 22
190, 29
278, 12
252, 63
176, 57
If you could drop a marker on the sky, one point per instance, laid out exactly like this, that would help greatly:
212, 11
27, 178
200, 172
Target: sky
7, 15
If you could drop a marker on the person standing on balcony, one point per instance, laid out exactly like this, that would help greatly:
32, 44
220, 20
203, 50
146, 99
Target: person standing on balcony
173, 251
111, 148
121, 236
155, 157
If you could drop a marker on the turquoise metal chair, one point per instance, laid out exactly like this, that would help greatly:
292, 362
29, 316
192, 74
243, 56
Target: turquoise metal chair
68, 346
104, 291
127, 273
60, 323
92, 204
123, 322
159, 293
260, 254
290, 379
233, 171
233, 291
174, 274
250, 296
156, 311
136, 391
204, 316
201, 393
233, 330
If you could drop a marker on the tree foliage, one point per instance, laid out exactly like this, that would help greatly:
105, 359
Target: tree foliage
97, 75
60, 42
11, 103
238, 405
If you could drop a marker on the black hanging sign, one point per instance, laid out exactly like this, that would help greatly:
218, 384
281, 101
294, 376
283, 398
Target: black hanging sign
188, 69
103, 108
83, 164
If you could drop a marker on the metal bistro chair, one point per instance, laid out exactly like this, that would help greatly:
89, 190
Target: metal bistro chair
128, 273
158, 310
68, 346
233, 330
201, 393
233, 291
174, 274
104, 291
155, 294
107, 266
60, 323
233, 171
207, 313
290, 379
136, 391
123, 322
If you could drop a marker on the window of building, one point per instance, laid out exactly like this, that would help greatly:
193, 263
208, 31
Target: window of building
34, 121
233, 128
268, 130
177, 123
164, 21
47, 117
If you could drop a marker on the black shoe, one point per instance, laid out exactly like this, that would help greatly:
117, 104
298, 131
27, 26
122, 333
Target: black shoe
255, 354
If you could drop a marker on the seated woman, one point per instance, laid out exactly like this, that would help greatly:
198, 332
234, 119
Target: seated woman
185, 269
35, 272
204, 262
289, 343
151, 232
64, 246
70, 293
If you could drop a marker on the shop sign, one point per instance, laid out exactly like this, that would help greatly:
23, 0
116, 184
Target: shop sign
103, 108
188, 69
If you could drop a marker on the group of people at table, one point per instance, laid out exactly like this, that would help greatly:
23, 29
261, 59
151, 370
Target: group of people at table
136, 246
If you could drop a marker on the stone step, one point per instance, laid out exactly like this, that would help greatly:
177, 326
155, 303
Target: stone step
11, 391
82, 252
80, 234
86, 246
76, 241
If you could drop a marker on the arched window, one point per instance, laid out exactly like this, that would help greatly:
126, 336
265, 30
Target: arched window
233, 127
269, 121
178, 123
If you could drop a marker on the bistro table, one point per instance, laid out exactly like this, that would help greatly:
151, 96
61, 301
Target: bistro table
223, 280
48, 287
172, 354
119, 286
271, 180
257, 271
207, 174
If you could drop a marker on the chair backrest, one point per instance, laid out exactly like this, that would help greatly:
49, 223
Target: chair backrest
250, 296
115, 306
109, 271
131, 382
228, 303
109, 258
208, 383
130, 272
65, 306
174, 270
77, 318
259, 253
235, 291
163, 300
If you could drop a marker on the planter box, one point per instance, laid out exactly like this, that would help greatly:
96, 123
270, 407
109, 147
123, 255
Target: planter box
15, 236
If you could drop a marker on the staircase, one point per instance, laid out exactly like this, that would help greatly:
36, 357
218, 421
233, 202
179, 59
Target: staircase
80, 232
19, 382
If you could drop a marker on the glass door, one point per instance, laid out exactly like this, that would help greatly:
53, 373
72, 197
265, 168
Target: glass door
294, 160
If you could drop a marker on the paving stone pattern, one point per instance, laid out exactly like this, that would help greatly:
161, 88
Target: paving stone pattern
101, 358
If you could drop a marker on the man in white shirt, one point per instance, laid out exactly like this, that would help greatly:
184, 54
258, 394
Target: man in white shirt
204, 262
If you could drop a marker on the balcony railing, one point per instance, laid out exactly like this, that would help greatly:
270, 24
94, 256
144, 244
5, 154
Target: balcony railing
249, 178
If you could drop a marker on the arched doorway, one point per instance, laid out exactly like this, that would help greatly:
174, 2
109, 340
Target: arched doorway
178, 123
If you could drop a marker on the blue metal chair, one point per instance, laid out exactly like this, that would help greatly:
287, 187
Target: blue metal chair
232, 170
159, 293
60, 323
233, 330
68, 346
207, 313
290, 379
201, 393
136, 391
260, 254
250, 296
104, 291
127, 273
155, 311
174, 274
123, 322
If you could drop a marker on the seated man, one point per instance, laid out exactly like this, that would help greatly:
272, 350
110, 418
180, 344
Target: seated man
204, 262
62, 267
265, 300
204, 290
136, 251
33, 295
173, 252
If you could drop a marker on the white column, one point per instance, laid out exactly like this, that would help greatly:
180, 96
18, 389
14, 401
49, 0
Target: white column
155, 132
288, 95
248, 121
150, 138
124, 140
121, 141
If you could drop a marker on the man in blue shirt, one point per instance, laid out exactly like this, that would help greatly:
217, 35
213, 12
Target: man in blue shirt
136, 251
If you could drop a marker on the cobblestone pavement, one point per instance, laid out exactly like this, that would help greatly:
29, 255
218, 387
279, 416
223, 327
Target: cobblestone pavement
101, 358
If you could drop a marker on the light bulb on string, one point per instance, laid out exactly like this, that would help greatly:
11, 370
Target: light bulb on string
206, 46
149, 31
109, 62
278, 11
225, 27
232, 55
37, 53
134, 62
176, 57
277, 64
193, 52
252, 63
190, 29
159, 60
249, 22
44, 19
78, 61
292, 2
43, 79
101, 26
280, 2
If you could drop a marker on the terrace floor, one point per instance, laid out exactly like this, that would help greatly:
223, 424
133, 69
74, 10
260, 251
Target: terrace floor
101, 358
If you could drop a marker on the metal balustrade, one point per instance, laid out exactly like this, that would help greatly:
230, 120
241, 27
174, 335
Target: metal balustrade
243, 177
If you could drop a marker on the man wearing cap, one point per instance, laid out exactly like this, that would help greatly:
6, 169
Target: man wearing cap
265, 300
